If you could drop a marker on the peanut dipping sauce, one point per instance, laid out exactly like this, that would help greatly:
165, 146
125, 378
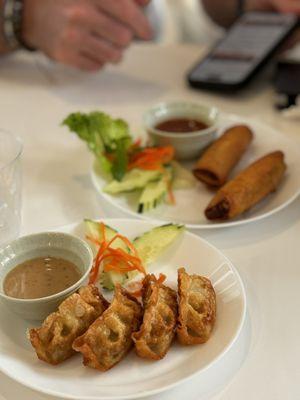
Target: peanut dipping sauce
40, 277
181, 125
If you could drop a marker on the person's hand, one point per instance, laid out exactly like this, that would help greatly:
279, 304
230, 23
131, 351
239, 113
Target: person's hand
84, 33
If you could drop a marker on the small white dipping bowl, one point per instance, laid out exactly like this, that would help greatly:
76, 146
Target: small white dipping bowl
54, 244
187, 145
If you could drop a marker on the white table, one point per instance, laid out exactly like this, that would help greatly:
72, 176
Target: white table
35, 97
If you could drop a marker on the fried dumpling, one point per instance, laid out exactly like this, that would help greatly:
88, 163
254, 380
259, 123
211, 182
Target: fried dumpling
53, 340
196, 308
108, 339
155, 336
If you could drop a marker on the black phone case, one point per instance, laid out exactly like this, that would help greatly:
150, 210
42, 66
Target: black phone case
219, 86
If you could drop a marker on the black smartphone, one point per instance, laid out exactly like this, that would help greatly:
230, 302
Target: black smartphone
246, 47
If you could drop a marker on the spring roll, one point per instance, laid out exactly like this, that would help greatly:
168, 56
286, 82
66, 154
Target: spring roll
215, 165
248, 188
53, 340
196, 307
108, 339
155, 336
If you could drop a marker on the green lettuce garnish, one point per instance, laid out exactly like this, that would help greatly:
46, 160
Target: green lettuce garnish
108, 138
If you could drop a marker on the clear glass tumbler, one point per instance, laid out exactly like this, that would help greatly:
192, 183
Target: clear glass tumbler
10, 186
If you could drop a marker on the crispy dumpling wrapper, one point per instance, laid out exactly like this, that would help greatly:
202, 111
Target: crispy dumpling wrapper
248, 188
53, 340
216, 163
108, 339
155, 336
196, 308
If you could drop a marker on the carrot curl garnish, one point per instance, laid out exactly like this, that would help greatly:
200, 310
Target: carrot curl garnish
114, 259
161, 278
151, 158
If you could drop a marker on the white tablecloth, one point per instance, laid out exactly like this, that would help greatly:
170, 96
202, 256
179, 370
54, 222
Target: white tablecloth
35, 96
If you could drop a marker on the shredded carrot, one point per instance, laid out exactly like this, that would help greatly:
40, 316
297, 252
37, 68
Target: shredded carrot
161, 278
151, 158
93, 240
102, 229
137, 293
171, 193
136, 144
116, 259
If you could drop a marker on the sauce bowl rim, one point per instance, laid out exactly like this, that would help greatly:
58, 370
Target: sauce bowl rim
150, 128
62, 293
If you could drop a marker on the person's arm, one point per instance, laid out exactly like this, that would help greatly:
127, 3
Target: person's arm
224, 13
3, 45
85, 34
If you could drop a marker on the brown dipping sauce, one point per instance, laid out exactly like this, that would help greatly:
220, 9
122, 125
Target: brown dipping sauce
40, 277
181, 125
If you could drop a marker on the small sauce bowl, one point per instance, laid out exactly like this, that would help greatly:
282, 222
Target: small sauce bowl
53, 244
187, 145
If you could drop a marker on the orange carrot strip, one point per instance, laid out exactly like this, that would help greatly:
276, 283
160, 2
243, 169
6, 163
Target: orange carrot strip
113, 267
152, 158
102, 227
161, 278
171, 194
137, 293
95, 270
93, 240
130, 262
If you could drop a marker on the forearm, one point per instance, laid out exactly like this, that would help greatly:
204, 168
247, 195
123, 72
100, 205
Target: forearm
220, 11
224, 13
3, 46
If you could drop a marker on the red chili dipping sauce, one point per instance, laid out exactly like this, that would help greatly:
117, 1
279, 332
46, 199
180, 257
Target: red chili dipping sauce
181, 125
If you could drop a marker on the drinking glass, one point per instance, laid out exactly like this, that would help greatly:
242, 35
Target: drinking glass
10, 186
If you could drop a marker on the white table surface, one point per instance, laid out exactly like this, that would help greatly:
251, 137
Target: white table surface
35, 96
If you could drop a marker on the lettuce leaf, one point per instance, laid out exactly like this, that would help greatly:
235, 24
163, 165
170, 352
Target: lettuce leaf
103, 135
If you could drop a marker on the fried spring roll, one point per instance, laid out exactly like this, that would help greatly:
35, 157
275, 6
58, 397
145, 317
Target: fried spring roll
220, 158
196, 307
155, 336
248, 188
108, 339
53, 340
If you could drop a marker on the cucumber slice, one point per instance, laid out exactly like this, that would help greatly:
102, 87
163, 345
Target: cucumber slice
183, 178
151, 244
93, 229
107, 279
153, 194
135, 179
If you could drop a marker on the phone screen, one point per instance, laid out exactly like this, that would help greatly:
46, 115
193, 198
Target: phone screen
246, 45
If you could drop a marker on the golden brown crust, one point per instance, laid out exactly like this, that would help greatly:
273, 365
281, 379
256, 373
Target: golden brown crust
155, 336
108, 339
219, 159
197, 308
248, 188
53, 340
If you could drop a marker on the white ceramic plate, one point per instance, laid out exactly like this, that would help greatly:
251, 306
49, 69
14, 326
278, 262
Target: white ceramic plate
134, 377
190, 204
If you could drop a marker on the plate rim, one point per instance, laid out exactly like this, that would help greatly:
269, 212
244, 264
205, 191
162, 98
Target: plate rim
151, 392
234, 118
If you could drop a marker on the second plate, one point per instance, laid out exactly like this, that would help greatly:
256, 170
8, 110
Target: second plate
191, 203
